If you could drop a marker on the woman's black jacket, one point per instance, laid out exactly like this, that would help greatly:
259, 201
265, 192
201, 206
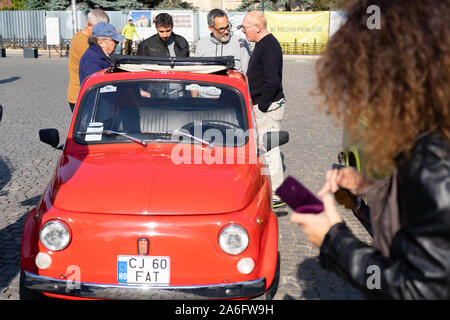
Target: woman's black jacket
418, 266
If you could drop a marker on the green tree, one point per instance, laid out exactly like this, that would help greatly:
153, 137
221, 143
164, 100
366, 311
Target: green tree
18, 4
269, 5
114, 5
332, 4
175, 4
57, 5
150, 3
294, 5
322, 5
34, 5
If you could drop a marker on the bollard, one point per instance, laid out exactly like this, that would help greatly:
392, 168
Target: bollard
3, 52
30, 52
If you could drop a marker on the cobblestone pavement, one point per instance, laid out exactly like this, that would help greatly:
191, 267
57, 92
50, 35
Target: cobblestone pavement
32, 92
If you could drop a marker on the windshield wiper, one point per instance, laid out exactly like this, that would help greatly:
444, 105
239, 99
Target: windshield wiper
123, 134
142, 142
208, 144
170, 134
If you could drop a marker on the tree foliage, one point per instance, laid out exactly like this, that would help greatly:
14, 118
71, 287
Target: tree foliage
323, 5
91, 4
269, 5
114, 5
293, 5
34, 5
175, 4
57, 5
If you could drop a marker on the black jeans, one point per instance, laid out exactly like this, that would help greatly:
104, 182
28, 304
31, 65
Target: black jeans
72, 106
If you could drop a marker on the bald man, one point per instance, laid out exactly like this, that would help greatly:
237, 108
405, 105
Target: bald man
265, 71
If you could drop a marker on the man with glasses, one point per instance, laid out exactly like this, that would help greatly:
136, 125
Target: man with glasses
265, 73
102, 44
222, 41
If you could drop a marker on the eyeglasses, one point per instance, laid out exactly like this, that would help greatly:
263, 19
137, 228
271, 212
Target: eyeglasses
241, 26
222, 30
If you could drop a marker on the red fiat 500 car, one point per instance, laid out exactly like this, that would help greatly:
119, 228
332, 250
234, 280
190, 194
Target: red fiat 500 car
159, 192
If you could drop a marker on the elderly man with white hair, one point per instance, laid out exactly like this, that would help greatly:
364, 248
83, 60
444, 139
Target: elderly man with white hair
78, 45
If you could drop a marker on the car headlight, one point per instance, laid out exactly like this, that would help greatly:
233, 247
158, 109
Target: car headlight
233, 239
55, 235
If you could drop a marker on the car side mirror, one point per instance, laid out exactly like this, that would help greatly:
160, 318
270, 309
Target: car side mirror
273, 139
1, 112
49, 136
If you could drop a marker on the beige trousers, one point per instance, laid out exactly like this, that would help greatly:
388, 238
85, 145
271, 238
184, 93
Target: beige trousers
271, 121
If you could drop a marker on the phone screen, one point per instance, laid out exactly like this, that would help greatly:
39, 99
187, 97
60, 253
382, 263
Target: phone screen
298, 197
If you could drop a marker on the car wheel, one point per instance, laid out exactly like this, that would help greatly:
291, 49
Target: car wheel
272, 291
28, 294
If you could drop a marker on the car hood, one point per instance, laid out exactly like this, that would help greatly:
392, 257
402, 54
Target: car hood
152, 184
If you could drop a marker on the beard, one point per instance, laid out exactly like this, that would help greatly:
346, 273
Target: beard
224, 38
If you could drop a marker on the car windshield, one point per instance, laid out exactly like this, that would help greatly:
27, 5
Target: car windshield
162, 111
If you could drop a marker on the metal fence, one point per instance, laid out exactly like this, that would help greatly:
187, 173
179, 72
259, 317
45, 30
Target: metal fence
303, 48
22, 24
286, 47
15, 42
20, 29
16, 27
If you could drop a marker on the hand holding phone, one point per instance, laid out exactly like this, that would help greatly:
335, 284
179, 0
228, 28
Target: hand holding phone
298, 197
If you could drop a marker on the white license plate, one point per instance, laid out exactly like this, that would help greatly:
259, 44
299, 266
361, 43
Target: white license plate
143, 270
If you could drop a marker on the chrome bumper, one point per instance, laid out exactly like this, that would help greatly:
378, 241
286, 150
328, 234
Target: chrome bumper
144, 292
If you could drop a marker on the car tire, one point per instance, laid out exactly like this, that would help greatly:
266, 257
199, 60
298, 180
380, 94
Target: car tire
28, 294
272, 291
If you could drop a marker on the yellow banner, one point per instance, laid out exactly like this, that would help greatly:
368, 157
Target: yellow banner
305, 27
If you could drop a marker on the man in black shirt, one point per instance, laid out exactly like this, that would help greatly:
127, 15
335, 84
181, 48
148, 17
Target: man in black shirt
265, 71
165, 43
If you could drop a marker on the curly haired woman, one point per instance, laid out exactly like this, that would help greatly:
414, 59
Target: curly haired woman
397, 79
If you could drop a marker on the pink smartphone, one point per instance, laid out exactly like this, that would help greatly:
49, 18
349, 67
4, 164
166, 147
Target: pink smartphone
298, 197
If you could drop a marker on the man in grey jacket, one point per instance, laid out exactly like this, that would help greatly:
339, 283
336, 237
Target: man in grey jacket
222, 42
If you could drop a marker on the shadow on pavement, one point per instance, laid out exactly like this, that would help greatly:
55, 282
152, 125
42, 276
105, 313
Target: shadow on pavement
31, 202
5, 174
10, 242
10, 79
315, 283
10, 238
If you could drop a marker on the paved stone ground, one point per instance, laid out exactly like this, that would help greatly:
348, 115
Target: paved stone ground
313, 147
32, 92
